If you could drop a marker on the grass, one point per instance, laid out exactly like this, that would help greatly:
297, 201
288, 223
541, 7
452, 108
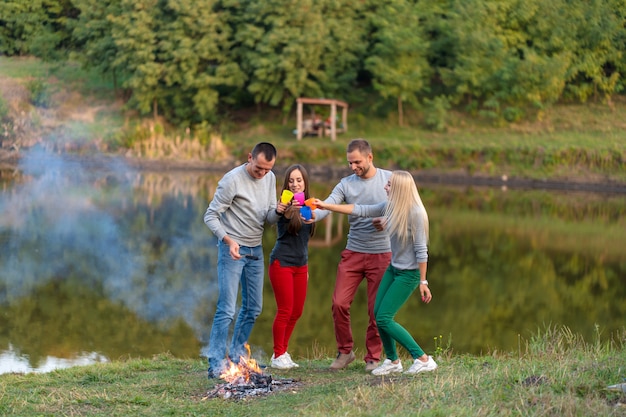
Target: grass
555, 373
69, 75
571, 143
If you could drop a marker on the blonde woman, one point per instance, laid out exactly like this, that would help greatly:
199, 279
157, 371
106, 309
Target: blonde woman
406, 221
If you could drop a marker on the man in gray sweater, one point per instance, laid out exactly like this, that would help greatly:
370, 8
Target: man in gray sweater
366, 256
244, 201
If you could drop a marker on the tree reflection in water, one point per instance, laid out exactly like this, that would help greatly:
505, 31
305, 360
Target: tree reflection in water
99, 259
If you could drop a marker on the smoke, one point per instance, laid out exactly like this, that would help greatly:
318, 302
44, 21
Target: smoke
76, 218
54, 222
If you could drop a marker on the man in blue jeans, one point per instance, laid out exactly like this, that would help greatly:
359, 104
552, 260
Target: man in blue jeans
244, 201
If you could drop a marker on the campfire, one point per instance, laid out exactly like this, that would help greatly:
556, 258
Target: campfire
246, 379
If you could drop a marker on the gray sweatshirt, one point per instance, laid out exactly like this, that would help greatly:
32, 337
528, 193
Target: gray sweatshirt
241, 205
362, 237
403, 255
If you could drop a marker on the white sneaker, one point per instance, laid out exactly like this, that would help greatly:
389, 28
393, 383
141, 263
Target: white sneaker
419, 366
388, 367
282, 362
295, 365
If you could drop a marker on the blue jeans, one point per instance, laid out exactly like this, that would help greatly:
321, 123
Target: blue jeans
230, 273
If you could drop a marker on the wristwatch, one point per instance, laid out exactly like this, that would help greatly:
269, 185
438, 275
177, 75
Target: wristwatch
424, 282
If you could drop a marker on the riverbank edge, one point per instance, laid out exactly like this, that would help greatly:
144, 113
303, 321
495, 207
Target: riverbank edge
9, 160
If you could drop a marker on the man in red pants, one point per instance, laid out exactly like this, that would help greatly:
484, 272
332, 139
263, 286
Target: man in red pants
366, 256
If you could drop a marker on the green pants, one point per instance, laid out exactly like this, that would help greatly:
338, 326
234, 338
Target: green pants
395, 288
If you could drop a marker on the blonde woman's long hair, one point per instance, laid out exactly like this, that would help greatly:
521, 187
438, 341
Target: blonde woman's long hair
403, 196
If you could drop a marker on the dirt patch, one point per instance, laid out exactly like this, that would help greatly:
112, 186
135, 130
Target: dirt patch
13, 92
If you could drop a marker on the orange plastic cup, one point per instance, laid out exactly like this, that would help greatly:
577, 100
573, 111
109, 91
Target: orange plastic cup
310, 203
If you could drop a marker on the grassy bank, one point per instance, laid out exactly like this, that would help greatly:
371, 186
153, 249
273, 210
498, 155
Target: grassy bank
571, 143
554, 373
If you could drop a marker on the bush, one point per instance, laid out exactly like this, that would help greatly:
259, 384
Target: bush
436, 113
6, 123
39, 92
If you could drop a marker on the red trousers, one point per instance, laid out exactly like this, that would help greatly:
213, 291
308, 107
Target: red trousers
353, 268
290, 286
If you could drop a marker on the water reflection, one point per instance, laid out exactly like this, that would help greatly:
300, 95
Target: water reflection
96, 257
11, 362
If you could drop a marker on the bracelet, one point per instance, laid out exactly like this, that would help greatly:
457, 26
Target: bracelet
424, 282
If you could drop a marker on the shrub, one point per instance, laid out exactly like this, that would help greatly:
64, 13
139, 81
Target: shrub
39, 92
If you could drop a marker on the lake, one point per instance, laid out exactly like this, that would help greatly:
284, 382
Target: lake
101, 262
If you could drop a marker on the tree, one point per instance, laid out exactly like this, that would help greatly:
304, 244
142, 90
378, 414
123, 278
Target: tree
37, 27
280, 46
134, 32
93, 34
291, 49
598, 30
194, 45
490, 60
398, 59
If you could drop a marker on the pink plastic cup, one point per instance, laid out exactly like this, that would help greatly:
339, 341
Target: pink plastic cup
299, 197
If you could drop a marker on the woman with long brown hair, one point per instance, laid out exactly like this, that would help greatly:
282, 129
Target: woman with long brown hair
288, 266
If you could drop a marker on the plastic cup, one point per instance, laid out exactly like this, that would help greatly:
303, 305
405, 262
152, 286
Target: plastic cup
286, 196
305, 211
310, 203
299, 197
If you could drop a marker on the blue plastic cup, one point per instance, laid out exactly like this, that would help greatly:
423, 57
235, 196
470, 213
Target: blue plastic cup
305, 211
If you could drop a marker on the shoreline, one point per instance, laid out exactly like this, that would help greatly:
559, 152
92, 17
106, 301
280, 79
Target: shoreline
10, 159
334, 172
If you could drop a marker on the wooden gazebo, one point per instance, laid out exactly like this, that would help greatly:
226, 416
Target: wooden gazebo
332, 130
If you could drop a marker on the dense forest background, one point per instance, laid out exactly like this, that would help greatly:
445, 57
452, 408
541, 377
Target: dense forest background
193, 61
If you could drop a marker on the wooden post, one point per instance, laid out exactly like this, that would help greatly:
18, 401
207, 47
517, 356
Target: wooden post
333, 121
299, 120
344, 118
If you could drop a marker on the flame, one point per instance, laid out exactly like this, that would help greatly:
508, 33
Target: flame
239, 373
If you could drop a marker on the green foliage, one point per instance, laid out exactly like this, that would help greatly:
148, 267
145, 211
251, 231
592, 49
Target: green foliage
436, 113
193, 61
170, 55
288, 50
92, 32
37, 27
19, 22
397, 59
281, 48
6, 122
4, 109
345, 46
40, 94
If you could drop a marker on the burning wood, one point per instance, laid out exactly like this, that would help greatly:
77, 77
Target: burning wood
240, 373
245, 379
263, 385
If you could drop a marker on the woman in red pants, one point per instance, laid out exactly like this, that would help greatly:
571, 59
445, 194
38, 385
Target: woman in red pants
288, 266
